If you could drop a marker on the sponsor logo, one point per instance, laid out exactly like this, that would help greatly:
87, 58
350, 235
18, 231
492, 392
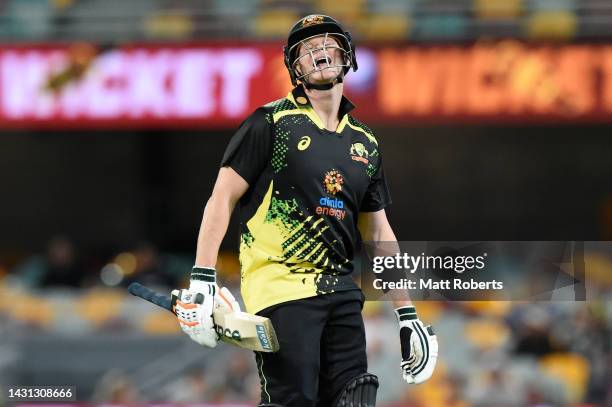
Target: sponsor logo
359, 153
304, 143
263, 338
312, 20
333, 182
235, 335
332, 206
331, 202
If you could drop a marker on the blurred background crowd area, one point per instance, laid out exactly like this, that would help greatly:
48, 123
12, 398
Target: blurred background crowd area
418, 20
66, 320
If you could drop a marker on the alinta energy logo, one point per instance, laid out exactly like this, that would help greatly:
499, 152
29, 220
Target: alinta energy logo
332, 206
359, 153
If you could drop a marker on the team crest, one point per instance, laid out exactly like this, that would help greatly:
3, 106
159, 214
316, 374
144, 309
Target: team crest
359, 153
312, 20
333, 182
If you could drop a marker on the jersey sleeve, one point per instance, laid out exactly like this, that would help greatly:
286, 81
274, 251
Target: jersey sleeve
377, 195
248, 151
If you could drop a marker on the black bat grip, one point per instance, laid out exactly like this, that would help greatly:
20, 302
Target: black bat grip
145, 293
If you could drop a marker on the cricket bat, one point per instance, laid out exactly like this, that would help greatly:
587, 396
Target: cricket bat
241, 329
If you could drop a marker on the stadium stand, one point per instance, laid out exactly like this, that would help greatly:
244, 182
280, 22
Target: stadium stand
417, 20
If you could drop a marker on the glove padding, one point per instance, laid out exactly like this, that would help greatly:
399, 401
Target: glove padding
419, 346
225, 301
194, 312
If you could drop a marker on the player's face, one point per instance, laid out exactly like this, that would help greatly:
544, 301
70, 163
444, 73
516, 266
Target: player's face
321, 54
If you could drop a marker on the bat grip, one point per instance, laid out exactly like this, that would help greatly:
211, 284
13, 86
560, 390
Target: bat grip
145, 293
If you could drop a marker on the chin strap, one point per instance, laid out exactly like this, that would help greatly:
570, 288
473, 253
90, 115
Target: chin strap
325, 86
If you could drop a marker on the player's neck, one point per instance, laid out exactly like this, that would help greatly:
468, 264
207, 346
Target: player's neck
326, 103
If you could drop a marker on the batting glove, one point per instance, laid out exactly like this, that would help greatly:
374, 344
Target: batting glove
225, 301
194, 313
419, 346
194, 307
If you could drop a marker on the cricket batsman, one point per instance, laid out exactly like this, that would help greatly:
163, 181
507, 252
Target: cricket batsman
309, 181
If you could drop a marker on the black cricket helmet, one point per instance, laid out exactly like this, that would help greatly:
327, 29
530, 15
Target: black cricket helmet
312, 26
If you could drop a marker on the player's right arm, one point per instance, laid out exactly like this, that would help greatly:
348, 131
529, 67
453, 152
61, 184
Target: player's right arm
228, 190
194, 307
245, 157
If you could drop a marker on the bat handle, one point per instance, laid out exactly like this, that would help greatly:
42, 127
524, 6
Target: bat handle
145, 293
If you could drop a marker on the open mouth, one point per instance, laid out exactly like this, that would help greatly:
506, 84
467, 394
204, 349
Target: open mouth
323, 62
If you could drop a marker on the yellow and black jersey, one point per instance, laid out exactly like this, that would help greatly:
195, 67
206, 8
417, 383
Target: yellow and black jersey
307, 185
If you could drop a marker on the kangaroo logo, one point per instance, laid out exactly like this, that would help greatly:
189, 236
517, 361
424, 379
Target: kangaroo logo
359, 153
312, 19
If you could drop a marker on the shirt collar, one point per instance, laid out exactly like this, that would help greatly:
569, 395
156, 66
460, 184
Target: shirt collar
300, 97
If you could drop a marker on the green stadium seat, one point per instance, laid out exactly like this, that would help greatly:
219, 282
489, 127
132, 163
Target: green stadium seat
28, 18
235, 7
548, 5
394, 6
444, 26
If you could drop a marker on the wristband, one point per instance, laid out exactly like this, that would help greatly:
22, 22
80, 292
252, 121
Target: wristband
202, 279
406, 313
205, 274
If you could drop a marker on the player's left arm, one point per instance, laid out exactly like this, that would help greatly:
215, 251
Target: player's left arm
419, 343
374, 227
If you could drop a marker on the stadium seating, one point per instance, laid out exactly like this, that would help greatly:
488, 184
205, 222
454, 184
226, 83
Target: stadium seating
561, 25
371, 20
100, 306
